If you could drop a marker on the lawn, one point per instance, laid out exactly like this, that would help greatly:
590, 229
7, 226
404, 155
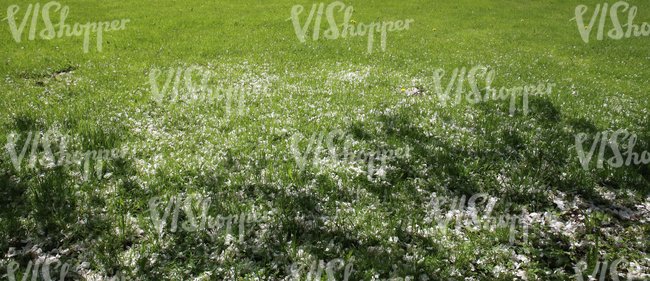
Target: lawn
204, 140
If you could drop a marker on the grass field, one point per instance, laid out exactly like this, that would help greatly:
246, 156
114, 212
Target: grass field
255, 135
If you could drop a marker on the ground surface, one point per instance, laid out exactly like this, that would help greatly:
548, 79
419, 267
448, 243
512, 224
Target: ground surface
234, 148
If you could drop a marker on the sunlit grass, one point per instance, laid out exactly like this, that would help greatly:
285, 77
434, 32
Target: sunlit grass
244, 162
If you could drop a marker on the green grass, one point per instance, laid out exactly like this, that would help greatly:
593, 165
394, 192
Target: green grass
244, 163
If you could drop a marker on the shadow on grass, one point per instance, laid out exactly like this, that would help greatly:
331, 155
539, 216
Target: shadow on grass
54, 208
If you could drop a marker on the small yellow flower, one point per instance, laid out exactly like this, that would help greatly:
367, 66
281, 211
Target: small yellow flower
353, 21
522, 19
403, 89
434, 29
586, 26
